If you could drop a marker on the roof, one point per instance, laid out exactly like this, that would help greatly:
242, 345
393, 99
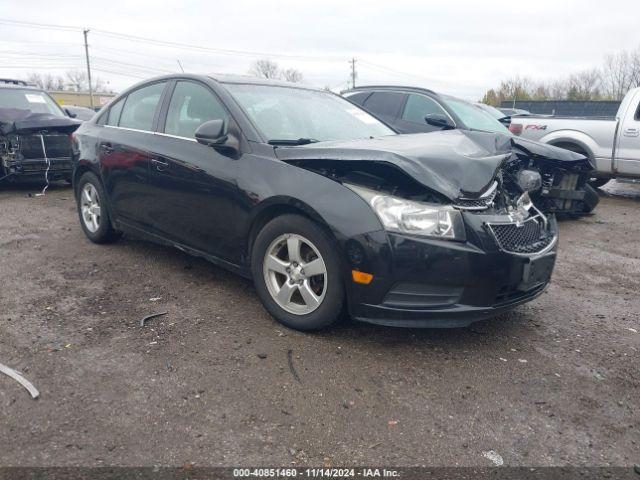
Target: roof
13, 83
390, 87
249, 79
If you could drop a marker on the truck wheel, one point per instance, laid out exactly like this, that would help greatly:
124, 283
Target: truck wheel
296, 272
93, 210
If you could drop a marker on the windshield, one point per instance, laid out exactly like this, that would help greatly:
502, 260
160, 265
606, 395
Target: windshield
493, 111
31, 100
473, 117
285, 113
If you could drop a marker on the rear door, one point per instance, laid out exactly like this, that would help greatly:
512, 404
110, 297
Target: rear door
194, 194
124, 145
628, 151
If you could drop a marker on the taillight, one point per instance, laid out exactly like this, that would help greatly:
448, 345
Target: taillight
515, 128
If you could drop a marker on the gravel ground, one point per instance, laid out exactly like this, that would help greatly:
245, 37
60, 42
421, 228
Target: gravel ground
555, 382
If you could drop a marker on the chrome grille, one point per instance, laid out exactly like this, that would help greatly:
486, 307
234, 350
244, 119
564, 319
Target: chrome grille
532, 236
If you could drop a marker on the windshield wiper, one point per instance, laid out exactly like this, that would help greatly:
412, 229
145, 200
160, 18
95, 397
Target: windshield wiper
299, 141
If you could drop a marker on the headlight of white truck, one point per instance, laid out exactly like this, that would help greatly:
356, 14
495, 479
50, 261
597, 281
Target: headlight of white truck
414, 218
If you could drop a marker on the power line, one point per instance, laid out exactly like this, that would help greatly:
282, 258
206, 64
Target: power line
178, 45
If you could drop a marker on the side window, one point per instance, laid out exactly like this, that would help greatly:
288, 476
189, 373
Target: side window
114, 113
140, 107
385, 103
359, 97
192, 104
418, 107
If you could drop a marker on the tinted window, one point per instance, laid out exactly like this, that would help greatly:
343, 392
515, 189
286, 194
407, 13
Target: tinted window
418, 107
114, 113
359, 97
385, 103
140, 107
191, 105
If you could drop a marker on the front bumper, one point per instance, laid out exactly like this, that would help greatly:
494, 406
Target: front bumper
421, 282
32, 169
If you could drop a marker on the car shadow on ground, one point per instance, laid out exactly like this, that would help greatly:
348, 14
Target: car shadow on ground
518, 323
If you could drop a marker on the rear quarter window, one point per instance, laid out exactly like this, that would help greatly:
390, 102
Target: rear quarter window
359, 97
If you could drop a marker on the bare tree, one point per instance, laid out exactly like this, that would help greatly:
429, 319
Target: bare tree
621, 72
46, 82
292, 75
265, 68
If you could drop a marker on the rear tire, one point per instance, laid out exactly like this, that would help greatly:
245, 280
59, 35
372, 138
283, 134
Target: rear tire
93, 211
302, 300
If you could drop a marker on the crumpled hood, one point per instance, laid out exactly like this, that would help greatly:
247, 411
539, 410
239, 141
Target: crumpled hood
455, 163
19, 121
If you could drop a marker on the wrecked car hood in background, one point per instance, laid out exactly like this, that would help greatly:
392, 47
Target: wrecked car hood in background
19, 121
455, 163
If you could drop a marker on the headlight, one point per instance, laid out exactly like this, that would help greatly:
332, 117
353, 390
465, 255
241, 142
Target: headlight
415, 218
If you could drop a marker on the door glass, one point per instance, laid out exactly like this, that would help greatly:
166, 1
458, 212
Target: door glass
114, 113
140, 107
192, 104
418, 107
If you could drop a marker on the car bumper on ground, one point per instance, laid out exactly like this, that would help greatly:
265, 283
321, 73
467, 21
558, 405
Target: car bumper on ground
420, 282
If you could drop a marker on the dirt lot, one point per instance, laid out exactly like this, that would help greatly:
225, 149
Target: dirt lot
556, 382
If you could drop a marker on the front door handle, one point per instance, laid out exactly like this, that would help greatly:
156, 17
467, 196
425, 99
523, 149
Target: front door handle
631, 132
106, 148
159, 164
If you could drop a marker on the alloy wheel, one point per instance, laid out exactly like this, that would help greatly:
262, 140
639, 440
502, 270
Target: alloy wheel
295, 274
90, 207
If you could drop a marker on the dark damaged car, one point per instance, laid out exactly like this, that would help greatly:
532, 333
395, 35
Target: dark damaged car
323, 205
35, 142
562, 180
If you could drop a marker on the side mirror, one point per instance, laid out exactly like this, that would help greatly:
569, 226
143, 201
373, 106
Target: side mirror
439, 120
211, 133
214, 134
70, 114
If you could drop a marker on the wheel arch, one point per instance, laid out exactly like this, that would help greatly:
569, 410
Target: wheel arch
276, 207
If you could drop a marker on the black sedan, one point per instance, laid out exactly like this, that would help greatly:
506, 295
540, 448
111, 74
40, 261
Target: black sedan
323, 205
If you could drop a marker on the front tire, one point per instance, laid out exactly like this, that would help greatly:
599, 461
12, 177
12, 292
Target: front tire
296, 272
93, 210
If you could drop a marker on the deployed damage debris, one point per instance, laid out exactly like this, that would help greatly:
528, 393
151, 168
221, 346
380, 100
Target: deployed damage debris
33, 391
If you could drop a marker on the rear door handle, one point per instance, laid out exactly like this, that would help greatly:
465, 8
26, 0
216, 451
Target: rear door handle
159, 164
631, 132
106, 147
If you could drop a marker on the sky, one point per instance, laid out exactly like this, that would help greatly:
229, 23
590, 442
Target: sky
460, 47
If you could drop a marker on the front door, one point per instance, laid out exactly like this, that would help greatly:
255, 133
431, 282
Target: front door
628, 152
194, 186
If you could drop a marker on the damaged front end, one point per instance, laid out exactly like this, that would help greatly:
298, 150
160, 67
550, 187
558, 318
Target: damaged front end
36, 146
556, 179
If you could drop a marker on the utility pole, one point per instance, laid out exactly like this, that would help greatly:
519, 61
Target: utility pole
86, 51
353, 72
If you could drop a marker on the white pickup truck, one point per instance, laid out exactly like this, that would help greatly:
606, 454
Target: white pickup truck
611, 144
